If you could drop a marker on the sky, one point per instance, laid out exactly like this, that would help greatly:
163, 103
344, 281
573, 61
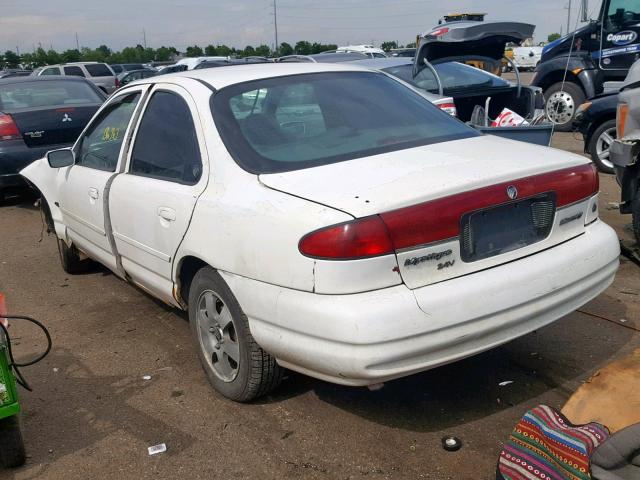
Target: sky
26, 24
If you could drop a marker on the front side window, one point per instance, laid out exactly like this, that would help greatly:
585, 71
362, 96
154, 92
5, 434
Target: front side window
166, 145
74, 71
301, 121
51, 71
622, 14
100, 146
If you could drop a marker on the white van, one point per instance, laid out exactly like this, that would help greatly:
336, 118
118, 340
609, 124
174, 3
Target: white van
527, 58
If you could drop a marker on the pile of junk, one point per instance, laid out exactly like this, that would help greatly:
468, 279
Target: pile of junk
517, 112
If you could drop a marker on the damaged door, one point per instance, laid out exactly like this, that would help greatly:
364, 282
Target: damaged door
82, 192
152, 203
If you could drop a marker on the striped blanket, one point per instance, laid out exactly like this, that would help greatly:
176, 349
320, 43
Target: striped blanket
546, 446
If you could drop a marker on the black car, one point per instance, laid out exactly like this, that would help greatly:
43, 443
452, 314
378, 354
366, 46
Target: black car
38, 114
127, 77
596, 120
118, 68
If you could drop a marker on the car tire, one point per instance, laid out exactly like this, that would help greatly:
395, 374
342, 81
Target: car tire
599, 143
70, 258
221, 332
635, 214
12, 453
561, 104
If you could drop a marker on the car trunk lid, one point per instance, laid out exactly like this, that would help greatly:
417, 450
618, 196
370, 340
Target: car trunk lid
426, 186
52, 126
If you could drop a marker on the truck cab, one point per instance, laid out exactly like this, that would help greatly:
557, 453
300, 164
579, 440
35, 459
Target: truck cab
575, 67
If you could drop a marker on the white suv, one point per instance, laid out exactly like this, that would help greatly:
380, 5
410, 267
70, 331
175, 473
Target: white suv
325, 218
98, 73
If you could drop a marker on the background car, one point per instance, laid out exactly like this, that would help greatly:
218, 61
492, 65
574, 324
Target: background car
98, 73
130, 76
527, 58
596, 120
14, 73
231, 61
325, 57
37, 115
468, 86
118, 68
172, 69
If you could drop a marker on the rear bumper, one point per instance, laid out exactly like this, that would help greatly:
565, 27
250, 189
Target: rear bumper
14, 156
378, 336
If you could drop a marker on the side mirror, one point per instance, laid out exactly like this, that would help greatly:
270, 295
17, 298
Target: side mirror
61, 158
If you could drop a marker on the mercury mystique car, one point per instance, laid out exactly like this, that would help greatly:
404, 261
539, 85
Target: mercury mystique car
327, 219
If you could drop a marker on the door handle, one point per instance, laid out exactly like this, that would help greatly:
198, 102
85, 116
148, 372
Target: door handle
94, 193
166, 213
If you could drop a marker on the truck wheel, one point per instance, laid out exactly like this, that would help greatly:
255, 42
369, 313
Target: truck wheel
70, 258
599, 146
234, 363
12, 452
562, 102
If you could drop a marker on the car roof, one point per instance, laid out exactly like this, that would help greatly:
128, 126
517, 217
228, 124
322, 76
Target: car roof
223, 77
30, 78
380, 63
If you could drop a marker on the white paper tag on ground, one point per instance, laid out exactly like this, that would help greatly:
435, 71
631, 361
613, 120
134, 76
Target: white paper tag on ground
156, 449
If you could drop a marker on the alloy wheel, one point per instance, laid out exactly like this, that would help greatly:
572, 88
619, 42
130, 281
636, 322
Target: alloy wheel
217, 335
603, 145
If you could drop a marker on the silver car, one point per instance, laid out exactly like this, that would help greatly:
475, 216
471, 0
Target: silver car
99, 74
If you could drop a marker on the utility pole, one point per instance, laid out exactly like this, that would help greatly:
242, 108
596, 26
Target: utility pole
144, 37
569, 18
77, 42
275, 24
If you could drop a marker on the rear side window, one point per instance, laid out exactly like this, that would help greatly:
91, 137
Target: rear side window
98, 70
14, 96
51, 71
166, 145
100, 146
74, 71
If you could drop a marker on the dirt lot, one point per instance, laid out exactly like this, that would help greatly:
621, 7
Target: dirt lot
93, 416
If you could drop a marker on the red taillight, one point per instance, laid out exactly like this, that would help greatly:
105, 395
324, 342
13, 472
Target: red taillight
117, 82
8, 128
440, 219
450, 108
363, 238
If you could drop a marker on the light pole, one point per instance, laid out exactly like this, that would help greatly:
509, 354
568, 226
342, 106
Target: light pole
569, 17
275, 24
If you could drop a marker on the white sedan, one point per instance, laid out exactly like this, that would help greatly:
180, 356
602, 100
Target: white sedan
326, 219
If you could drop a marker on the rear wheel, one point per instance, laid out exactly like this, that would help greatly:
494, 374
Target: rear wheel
235, 365
635, 212
12, 452
562, 102
600, 144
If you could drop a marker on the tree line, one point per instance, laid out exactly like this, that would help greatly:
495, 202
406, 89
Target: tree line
140, 54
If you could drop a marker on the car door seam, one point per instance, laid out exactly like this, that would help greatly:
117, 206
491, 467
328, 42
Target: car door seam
108, 226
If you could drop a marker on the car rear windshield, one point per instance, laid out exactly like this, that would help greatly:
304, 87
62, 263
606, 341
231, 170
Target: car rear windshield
98, 70
301, 121
455, 77
15, 96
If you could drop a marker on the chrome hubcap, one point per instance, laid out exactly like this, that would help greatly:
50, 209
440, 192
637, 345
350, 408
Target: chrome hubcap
560, 108
217, 335
603, 144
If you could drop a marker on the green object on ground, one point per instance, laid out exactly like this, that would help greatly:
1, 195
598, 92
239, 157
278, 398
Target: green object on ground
8, 393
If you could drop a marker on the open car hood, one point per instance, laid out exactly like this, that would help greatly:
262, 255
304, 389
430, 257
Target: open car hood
464, 41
